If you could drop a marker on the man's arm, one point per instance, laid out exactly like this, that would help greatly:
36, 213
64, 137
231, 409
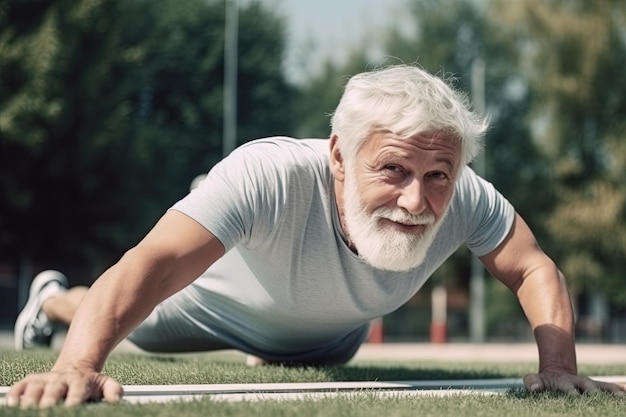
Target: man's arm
173, 254
541, 290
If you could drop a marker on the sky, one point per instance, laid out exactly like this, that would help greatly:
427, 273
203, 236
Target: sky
318, 29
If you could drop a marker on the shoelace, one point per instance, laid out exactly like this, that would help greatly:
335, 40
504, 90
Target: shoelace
39, 332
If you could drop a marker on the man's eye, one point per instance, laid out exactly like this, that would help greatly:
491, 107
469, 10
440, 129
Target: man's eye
393, 168
439, 175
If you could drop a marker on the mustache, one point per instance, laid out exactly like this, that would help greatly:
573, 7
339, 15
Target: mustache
401, 216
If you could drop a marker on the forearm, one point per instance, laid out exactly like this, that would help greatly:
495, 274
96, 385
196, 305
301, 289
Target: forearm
540, 287
546, 303
116, 303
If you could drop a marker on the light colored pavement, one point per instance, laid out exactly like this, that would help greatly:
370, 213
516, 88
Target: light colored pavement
489, 352
450, 352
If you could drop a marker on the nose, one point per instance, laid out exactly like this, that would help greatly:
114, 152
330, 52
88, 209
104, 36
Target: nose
412, 197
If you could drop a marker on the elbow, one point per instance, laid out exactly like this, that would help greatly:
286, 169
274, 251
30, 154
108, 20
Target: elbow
545, 273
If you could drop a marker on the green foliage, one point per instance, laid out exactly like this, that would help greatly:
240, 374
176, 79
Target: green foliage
319, 97
574, 54
109, 109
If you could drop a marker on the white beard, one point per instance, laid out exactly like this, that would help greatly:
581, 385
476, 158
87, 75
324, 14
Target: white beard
381, 246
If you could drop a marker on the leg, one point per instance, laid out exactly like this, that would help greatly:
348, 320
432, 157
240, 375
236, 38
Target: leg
61, 307
174, 326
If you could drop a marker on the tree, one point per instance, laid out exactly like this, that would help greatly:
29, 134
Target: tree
575, 53
321, 94
109, 109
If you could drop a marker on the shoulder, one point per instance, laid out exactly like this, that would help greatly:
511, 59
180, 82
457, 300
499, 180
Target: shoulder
476, 199
471, 187
284, 148
278, 158
274, 164
481, 211
467, 180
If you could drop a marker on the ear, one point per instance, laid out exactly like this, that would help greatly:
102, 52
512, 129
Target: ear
337, 166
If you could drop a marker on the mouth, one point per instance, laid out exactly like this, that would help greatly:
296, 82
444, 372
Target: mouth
405, 227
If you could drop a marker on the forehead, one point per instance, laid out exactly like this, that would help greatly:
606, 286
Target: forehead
436, 144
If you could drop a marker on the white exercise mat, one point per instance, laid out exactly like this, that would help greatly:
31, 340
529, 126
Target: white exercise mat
316, 390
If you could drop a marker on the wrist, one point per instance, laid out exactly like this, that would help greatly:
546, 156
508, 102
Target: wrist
557, 350
81, 359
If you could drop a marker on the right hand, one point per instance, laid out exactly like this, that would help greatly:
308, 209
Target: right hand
70, 385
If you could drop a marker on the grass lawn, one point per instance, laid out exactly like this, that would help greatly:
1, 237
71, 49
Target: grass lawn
130, 369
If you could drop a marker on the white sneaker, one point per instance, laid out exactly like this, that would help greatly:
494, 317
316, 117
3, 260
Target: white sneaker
32, 327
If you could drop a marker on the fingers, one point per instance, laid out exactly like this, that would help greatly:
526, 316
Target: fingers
36, 391
587, 386
112, 391
567, 386
614, 389
78, 392
570, 384
47, 390
553, 382
590, 386
26, 393
534, 383
13, 396
53, 392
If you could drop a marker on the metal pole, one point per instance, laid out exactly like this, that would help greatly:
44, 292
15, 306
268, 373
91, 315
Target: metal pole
231, 32
477, 279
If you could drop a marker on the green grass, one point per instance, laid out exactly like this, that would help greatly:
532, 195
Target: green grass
131, 369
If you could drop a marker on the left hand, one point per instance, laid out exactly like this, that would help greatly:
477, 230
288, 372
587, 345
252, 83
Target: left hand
561, 381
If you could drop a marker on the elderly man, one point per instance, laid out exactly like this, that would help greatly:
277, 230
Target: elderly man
289, 248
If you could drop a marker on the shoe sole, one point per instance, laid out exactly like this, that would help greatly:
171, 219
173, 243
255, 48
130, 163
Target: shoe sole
33, 305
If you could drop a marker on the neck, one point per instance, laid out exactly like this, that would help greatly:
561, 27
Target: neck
339, 201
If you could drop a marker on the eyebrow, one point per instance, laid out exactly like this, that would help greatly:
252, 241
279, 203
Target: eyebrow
395, 154
446, 161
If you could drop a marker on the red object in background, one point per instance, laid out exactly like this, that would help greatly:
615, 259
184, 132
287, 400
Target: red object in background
438, 332
377, 332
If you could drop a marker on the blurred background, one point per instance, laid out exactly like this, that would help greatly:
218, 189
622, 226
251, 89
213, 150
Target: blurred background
109, 110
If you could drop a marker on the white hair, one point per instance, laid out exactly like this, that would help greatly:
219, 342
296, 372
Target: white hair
406, 100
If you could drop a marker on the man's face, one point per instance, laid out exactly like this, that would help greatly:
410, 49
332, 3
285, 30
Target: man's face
395, 195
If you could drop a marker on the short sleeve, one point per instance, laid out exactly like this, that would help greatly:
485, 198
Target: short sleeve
489, 215
249, 195
240, 199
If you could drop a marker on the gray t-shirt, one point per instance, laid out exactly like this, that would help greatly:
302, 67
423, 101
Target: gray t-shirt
289, 281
